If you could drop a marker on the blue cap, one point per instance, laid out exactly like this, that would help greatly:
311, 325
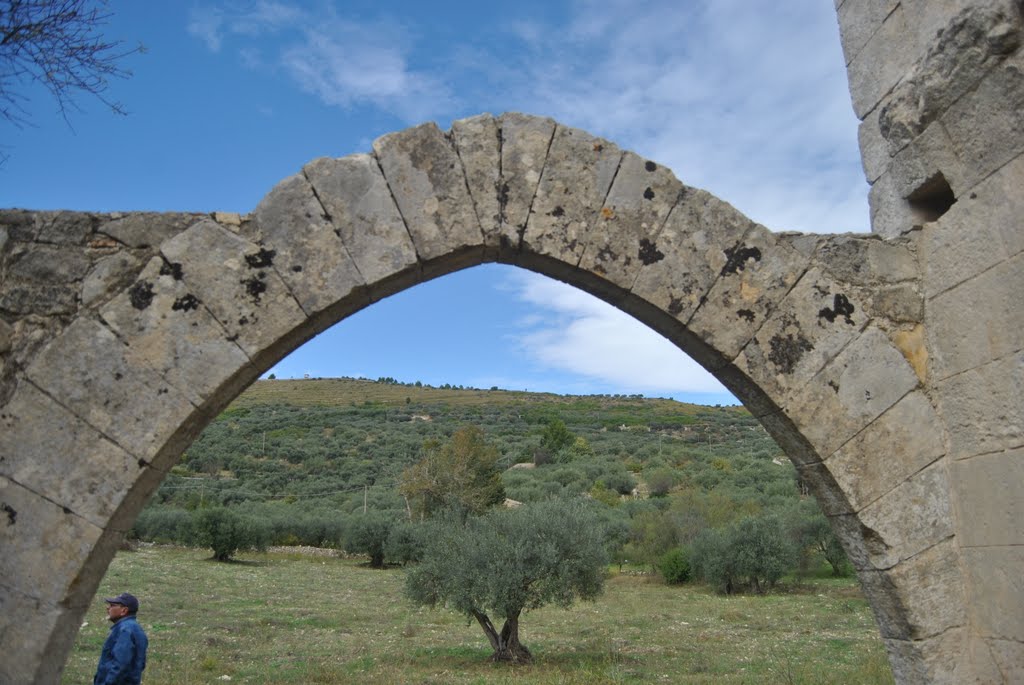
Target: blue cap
125, 599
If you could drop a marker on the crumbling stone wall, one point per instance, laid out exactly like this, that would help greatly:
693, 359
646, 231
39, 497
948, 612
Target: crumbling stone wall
888, 366
939, 87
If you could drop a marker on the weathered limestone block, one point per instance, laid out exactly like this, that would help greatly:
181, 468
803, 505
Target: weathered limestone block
896, 445
939, 660
362, 211
6, 336
859, 22
23, 620
925, 158
570, 199
303, 245
47, 264
805, 331
974, 41
478, 144
874, 149
696, 236
910, 518
1008, 656
45, 546
984, 407
625, 238
525, 141
426, 178
758, 273
996, 588
64, 228
146, 230
920, 597
54, 454
976, 321
867, 260
864, 380
235, 280
109, 274
987, 124
989, 501
87, 370
980, 230
45, 300
170, 331
881, 62
891, 214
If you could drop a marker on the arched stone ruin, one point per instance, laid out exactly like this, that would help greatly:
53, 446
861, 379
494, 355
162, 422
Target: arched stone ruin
889, 367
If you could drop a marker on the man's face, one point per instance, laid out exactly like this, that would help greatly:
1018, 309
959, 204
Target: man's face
116, 612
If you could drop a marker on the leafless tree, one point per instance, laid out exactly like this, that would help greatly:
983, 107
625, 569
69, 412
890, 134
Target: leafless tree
57, 44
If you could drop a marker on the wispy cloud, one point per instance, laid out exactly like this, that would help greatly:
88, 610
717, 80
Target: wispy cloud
341, 62
572, 331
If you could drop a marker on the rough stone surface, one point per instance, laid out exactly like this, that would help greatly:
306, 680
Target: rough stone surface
525, 141
171, 332
237, 283
987, 492
478, 143
299, 240
996, 583
364, 214
984, 408
570, 197
426, 178
899, 443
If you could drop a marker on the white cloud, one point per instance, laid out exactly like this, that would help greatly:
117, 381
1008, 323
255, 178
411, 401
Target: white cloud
577, 333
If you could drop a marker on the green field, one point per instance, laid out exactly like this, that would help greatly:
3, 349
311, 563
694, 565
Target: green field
289, 618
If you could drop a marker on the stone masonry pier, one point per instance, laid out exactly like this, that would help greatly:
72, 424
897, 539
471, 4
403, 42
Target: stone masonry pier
888, 366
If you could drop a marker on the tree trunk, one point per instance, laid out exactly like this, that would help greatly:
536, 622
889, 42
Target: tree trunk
505, 644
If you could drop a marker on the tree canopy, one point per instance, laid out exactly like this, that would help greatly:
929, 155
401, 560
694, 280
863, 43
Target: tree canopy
509, 561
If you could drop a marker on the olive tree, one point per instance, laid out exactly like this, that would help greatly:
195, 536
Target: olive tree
509, 561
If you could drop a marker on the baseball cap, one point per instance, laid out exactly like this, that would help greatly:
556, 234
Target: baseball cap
125, 599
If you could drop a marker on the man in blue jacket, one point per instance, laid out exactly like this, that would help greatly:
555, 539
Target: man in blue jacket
124, 653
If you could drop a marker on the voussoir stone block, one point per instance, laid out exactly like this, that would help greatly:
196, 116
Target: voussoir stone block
699, 233
53, 453
625, 238
759, 272
45, 545
170, 331
571, 195
22, 621
303, 245
920, 597
864, 380
896, 445
363, 212
235, 280
425, 175
939, 660
525, 141
806, 330
87, 370
910, 518
144, 230
108, 275
478, 144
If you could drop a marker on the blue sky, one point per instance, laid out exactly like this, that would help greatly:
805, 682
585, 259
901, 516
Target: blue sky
746, 99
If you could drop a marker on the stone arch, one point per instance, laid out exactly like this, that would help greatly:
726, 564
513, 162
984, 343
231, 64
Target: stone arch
174, 314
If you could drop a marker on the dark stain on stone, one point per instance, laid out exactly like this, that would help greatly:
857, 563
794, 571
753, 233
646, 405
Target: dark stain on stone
261, 259
142, 463
841, 306
232, 338
172, 269
557, 211
297, 268
675, 305
650, 166
834, 386
243, 321
598, 147
66, 510
141, 294
786, 351
606, 254
648, 194
649, 252
186, 303
745, 314
255, 286
118, 376
736, 258
12, 515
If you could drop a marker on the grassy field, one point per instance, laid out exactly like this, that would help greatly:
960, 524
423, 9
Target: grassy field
286, 618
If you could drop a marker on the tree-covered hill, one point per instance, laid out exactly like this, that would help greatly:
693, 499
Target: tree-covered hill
309, 459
